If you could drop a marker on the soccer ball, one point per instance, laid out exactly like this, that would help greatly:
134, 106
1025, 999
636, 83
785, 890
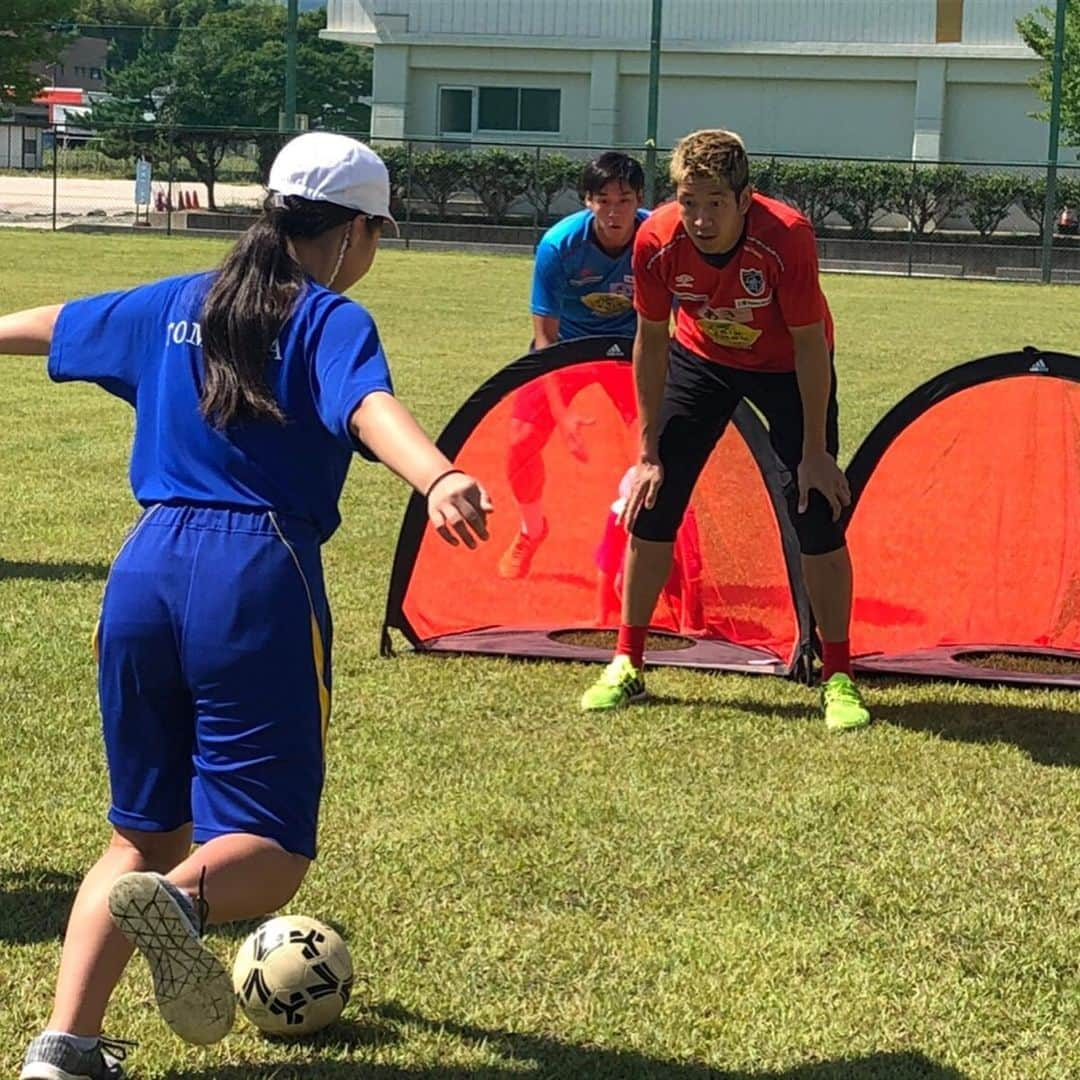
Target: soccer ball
292, 976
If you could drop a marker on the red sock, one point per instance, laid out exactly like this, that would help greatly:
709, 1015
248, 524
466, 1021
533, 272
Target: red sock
836, 656
632, 643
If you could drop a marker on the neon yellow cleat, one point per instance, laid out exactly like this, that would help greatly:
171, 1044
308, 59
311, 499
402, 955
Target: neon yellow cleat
843, 704
619, 684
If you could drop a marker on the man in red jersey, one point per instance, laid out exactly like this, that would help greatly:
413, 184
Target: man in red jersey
751, 322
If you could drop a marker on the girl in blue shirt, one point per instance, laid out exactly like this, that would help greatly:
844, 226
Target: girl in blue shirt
252, 389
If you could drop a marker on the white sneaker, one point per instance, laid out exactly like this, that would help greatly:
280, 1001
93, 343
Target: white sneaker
52, 1056
194, 992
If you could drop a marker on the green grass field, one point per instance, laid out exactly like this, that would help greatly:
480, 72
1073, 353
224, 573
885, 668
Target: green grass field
709, 886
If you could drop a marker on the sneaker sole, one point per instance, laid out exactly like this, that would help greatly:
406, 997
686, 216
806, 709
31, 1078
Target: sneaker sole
194, 993
857, 726
41, 1071
630, 699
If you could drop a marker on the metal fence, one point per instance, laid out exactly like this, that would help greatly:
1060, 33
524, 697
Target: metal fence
942, 219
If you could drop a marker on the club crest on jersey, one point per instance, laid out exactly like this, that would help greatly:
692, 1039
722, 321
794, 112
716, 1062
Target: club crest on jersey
753, 281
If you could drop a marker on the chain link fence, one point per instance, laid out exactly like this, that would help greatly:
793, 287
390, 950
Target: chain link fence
916, 218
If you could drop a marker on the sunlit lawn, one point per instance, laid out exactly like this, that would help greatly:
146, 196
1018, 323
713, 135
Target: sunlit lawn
711, 886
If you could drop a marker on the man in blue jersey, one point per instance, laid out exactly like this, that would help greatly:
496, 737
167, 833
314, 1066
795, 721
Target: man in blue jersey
582, 285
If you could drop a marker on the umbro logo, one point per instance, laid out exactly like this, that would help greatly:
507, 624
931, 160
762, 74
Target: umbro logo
1039, 367
684, 281
615, 351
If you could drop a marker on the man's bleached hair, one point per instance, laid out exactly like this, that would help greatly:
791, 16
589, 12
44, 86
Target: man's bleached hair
711, 154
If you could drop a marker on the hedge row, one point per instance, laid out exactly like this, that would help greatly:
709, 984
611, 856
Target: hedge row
859, 193
497, 177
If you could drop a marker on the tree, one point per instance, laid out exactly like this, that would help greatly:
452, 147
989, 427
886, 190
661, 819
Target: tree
131, 25
330, 80
222, 80
498, 177
1032, 199
765, 176
440, 174
866, 190
31, 31
1037, 30
810, 186
990, 197
932, 193
552, 175
124, 25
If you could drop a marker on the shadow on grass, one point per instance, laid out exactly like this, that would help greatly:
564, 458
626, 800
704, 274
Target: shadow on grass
542, 1057
785, 710
34, 904
54, 571
1047, 736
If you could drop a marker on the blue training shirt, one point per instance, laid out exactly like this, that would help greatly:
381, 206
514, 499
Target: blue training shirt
145, 345
575, 281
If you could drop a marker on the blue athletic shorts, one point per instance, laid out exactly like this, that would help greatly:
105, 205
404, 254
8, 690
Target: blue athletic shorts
214, 675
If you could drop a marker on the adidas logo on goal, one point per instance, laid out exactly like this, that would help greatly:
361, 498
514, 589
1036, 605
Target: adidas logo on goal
616, 351
1039, 367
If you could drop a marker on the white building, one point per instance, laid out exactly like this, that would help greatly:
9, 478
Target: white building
931, 79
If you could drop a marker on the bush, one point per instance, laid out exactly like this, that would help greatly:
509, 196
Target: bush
1068, 189
665, 189
765, 176
498, 177
398, 160
990, 197
933, 193
552, 175
440, 174
868, 189
810, 186
1032, 198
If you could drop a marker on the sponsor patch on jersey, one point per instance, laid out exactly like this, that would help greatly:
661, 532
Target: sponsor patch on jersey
753, 281
731, 335
607, 304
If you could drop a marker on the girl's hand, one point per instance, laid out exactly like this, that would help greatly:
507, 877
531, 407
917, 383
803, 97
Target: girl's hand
458, 508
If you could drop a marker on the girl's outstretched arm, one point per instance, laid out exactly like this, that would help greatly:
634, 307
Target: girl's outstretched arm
457, 505
29, 332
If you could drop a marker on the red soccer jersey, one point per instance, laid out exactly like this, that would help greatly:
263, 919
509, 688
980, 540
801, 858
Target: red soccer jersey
737, 314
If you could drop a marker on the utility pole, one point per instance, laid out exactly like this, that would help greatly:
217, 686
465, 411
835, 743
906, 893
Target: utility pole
654, 102
290, 66
1050, 207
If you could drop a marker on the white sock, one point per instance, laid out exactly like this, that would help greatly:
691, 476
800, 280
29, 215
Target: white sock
532, 518
80, 1042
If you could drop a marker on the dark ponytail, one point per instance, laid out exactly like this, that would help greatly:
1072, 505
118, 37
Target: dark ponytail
247, 305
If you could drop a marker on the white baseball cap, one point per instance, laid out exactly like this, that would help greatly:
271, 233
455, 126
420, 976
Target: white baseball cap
326, 167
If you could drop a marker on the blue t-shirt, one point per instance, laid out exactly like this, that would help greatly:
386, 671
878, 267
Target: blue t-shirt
144, 345
575, 281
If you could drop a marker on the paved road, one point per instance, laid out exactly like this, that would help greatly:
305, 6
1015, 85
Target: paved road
32, 196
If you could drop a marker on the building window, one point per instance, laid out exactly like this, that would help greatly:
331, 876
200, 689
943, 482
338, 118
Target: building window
455, 110
508, 108
540, 110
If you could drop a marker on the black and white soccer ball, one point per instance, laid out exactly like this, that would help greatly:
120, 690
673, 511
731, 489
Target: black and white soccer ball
292, 976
